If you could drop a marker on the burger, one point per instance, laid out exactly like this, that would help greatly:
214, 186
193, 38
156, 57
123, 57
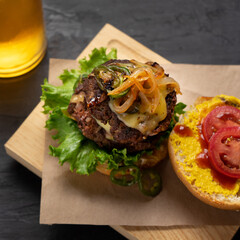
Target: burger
124, 110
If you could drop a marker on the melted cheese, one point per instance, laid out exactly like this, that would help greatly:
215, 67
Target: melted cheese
145, 122
106, 127
189, 148
77, 98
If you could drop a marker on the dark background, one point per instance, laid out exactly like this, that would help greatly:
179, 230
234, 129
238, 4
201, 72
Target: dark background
189, 31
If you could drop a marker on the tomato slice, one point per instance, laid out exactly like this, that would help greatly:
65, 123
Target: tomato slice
224, 151
224, 116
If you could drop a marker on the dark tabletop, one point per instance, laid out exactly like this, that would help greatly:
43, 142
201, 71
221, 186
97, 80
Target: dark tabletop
189, 31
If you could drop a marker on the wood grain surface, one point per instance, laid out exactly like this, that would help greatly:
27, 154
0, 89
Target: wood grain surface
27, 143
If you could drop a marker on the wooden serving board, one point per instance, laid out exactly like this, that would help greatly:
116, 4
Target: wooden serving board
27, 143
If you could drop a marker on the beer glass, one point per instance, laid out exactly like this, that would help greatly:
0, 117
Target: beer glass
22, 36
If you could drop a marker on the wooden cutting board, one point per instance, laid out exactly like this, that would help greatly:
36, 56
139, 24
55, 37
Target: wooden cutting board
27, 143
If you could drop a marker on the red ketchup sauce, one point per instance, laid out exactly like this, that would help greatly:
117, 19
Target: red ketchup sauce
204, 162
183, 131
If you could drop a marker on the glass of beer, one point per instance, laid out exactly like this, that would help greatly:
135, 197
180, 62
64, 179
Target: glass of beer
22, 36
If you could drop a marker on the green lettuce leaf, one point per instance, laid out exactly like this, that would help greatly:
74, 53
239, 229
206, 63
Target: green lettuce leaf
96, 58
69, 137
178, 110
120, 157
59, 96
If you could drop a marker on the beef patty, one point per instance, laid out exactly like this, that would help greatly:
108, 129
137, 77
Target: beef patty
93, 112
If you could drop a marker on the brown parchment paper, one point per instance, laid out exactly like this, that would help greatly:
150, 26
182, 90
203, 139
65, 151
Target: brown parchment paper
70, 198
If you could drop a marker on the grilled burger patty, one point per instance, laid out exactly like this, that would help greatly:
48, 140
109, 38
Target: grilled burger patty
92, 113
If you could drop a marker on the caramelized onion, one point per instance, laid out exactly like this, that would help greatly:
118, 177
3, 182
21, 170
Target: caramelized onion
170, 82
145, 103
128, 83
131, 97
147, 82
151, 81
156, 99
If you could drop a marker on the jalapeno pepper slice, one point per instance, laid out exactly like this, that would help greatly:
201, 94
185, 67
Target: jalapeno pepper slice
104, 85
114, 80
126, 72
120, 69
120, 94
125, 176
150, 182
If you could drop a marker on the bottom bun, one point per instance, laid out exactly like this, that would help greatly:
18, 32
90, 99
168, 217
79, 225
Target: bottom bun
215, 200
103, 168
199, 181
